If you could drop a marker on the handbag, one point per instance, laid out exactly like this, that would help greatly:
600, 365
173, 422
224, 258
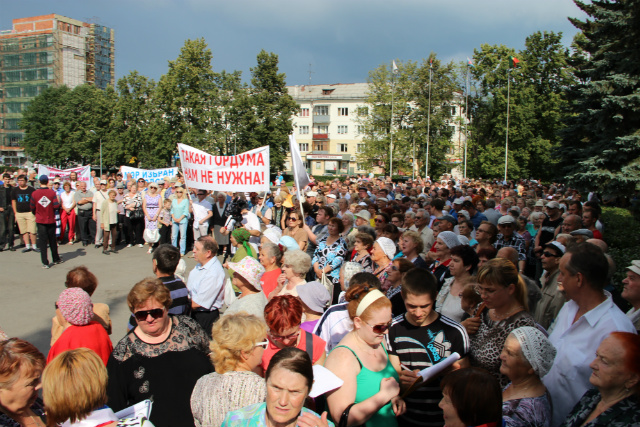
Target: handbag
151, 236
327, 283
344, 418
137, 214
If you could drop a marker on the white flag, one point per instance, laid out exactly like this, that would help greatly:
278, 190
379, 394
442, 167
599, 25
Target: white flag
299, 171
395, 67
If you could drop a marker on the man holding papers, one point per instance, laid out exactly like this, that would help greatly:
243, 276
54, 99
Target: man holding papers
421, 338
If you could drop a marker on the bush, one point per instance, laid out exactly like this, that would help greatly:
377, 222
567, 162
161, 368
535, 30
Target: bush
622, 234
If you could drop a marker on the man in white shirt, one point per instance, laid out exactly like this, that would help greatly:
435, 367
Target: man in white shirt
251, 222
420, 225
202, 211
99, 196
206, 283
584, 321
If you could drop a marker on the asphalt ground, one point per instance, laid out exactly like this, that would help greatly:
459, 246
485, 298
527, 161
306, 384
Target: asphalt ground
28, 292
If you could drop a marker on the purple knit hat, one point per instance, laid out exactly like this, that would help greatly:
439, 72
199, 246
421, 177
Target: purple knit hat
75, 306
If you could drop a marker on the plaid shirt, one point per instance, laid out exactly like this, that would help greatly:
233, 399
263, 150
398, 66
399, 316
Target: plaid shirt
516, 241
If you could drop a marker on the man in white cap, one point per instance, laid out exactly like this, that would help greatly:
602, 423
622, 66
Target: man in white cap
509, 238
631, 292
552, 299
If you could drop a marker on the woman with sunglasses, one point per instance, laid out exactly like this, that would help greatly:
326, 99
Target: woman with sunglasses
295, 229
371, 385
237, 346
180, 207
162, 357
283, 315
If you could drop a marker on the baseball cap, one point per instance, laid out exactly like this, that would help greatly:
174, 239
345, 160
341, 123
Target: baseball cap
43, 178
458, 201
559, 246
539, 203
553, 205
449, 218
312, 194
635, 266
103, 182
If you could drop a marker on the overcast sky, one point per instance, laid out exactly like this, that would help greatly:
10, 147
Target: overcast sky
342, 40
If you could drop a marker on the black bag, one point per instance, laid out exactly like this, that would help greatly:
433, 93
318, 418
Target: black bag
344, 418
137, 214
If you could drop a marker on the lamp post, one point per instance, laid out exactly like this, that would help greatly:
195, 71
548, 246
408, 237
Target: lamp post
93, 132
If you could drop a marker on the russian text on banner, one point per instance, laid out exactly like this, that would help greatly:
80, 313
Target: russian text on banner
247, 171
149, 175
83, 172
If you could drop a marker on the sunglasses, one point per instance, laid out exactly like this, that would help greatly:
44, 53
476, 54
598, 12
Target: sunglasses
549, 254
293, 218
379, 329
142, 315
379, 220
419, 217
284, 337
264, 344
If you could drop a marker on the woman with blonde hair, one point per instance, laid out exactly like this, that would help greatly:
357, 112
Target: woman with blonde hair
237, 346
75, 392
504, 308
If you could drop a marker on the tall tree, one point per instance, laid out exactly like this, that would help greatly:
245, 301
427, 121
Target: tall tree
601, 142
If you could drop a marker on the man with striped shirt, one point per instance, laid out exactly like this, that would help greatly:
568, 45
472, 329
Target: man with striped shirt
421, 338
165, 261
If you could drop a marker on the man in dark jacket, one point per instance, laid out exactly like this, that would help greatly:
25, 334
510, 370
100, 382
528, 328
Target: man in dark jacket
44, 202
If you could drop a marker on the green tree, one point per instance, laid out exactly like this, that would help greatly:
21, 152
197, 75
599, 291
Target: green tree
233, 102
600, 143
264, 117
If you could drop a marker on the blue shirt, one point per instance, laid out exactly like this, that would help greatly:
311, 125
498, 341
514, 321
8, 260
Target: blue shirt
179, 209
206, 284
255, 416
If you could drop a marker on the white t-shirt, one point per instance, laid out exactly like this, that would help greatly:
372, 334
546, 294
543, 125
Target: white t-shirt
200, 210
251, 222
67, 199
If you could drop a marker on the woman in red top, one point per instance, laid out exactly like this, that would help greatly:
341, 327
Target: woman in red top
283, 315
75, 307
270, 257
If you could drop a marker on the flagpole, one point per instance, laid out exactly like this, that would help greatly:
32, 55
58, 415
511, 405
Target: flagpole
391, 127
296, 182
506, 145
466, 123
426, 166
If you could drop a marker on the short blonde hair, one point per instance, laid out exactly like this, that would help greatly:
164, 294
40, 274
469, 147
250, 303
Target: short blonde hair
415, 236
74, 384
232, 335
150, 287
299, 261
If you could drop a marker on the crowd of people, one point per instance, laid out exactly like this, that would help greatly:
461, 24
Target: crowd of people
370, 280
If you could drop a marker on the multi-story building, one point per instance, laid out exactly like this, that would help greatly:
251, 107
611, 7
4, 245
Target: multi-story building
329, 131
43, 51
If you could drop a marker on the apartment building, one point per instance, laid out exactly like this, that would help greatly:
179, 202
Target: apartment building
43, 51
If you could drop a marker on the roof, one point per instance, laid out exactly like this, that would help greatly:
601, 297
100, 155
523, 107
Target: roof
329, 91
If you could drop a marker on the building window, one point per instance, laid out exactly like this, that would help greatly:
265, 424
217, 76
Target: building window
304, 112
318, 165
452, 129
359, 166
342, 129
360, 148
304, 130
321, 110
322, 129
343, 148
304, 146
363, 111
343, 111
360, 130
327, 91
453, 111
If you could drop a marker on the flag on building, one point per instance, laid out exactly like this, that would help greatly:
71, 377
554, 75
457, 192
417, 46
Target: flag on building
395, 67
514, 61
300, 175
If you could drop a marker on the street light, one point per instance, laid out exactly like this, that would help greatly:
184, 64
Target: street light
93, 132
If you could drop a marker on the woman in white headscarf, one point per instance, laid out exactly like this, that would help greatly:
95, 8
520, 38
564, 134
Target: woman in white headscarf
526, 357
383, 252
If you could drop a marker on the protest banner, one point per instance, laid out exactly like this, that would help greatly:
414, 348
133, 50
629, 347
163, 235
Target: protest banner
149, 175
83, 172
247, 171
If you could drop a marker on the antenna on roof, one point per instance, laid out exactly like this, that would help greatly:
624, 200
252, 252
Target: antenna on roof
310, 72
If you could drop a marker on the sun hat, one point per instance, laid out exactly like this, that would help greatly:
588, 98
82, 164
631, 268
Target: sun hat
449, 238
387, 246
364, 215
273, 234
250, 269
536, 348
539, 203
314, 295
75, 306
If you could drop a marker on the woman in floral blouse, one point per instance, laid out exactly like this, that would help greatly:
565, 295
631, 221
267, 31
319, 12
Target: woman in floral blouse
330, 255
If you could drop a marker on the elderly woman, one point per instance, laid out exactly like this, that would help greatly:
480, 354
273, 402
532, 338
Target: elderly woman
236, 351
465, 227
329, 256
411, 245
294, 229
81, 277
371, 389
464, 261
163, 357
134, 216
526, 357
21, 366
289, 379
246, 277
486, 235
616, 379
295, 265
68, 212
383, 252
151, 207
471, 397
109, 221
270, 256
283, 315
180, 216
314, 298
504, 294
75, 313
347, 271
74, 385
361, 248
349, 232
445, 241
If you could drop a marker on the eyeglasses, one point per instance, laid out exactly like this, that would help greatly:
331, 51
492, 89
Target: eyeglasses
284, 337
142, 315
264, 344
293, 218
379, 220
549, 254
480, 290
480, 230
419, 217
379, 329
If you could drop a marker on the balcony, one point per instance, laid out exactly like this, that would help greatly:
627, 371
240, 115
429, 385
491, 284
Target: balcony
320, 136
321, 118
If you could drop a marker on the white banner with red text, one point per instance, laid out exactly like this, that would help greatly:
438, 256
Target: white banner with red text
149, 175
247, 171
83, 172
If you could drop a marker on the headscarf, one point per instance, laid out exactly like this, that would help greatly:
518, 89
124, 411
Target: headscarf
242, 236
75, 306
536, 348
